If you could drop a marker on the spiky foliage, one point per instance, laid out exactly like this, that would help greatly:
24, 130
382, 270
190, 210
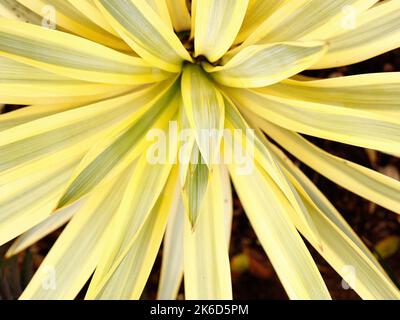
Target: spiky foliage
115, 69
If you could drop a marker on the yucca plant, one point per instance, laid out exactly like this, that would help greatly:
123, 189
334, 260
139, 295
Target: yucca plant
116, 71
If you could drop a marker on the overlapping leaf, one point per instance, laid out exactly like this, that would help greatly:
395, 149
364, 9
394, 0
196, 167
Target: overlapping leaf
351, 126
375, 32
124, 144
263, 65
148, 35
271, 220
67, 16
72, 56
376, 92
204, 108
217, 25
206, 259
363, 181
77, 252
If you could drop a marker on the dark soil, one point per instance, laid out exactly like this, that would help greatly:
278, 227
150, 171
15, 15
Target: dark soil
253, 275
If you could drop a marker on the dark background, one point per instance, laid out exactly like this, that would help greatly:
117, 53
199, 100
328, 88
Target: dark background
252, 274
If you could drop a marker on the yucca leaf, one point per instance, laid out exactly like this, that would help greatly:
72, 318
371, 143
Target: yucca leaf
157, 44
26, 85
12, 9
31, 113
270, 216
30, 151
204, 109
377, 31
65, 15
263, 65
375, 92
77, 251
305, 20
133, 261
195, 186
179, 13
206, 258
172, 264
43, 229
172, 258
257, 12
154, 109
217, 25
91, 12
365, 182
352, 126
161, 8
72, 56
266, 159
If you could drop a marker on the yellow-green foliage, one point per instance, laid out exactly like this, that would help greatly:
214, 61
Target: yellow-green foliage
114, 70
